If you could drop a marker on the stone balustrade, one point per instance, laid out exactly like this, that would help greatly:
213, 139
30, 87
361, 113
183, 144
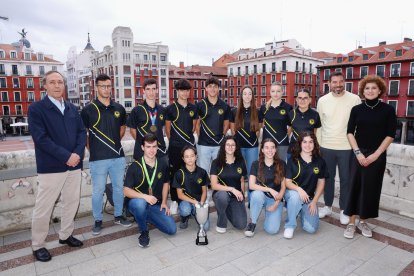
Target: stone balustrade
18, 185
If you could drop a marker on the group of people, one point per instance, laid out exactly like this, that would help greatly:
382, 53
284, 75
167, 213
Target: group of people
291, 167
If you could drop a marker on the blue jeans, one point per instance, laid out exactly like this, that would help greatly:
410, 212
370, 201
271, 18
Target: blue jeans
186, 208
250, 155
295, 207
100, 170
258, 200
144, 213
206, 155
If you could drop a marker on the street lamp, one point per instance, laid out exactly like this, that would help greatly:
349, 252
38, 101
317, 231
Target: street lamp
4, 18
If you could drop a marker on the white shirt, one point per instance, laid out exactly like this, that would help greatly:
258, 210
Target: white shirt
59, 104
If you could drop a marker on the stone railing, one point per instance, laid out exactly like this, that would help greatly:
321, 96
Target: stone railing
18, 185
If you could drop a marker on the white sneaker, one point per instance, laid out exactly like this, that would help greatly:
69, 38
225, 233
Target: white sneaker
366, 232
324, 211
344, 219
350, 231
174, 208
288, 234
221, 230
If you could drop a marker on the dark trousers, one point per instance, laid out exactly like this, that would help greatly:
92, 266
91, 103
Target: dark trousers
174, 156
228, 208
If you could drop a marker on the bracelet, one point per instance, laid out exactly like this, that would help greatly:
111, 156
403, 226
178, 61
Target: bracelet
357, 152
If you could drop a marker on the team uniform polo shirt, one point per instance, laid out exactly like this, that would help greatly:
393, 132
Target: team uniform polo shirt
306, 121
244, 136
269, 176
275, 121
140, 120
104, 124
136, 180
191, 182
182, 119
230, 174
306, 175
212, 121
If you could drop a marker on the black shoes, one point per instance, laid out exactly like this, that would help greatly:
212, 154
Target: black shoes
184, 222
144, 239
42, 255
97, 228
71, 241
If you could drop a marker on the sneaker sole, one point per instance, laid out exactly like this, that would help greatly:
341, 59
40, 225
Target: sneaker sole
124, 225
349, 237
249, 234
363, 234
96, 233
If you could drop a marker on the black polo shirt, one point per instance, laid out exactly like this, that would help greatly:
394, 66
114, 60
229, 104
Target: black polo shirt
275, 122
212, 119
229, 175
306, 175
269, 175
182, 122
244, 136
140, 120
136, 180
191, 182
306, 121
104, 124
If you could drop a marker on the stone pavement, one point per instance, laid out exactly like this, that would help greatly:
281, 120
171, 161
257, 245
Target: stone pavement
116, 252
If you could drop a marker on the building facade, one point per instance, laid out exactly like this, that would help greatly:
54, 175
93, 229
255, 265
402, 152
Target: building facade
21, 73
129, 64
394, 63
285, 61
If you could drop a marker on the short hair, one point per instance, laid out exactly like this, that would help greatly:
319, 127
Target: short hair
305, 91
149, 138
182, 84
336, 74
150, 82
372, 79
50, 73
188, 147
276, 83
102, 77
212, 80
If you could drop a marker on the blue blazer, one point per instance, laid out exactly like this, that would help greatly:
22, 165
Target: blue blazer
56, 136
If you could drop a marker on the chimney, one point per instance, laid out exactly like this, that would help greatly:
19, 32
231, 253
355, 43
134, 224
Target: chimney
382, 43
407, 39
182, 64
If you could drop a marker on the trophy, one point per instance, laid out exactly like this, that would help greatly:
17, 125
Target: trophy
201, 215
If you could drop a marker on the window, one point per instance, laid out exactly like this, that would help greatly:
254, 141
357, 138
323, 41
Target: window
325, 88
163, 93
4, 96
145, 71
16, 83
163, 81
303, 67
238, 91
263, 101
246, 70
128, 104
19, 110
127, 69
264, 68
263, 79
411, 88
246, 80
398, 53
255, 90
6, 110
394, 87
297, 66
41, 70
29, 70
14, 70
284, 65
225, 83
54, 68
163, 57
27, 56
145, 57
254, 80
154, 72
127, 93
13, 54
339, 59
263, 94
284, 90
203, 92
163, 72
195, 93
238, 81
195, 84
154, 58
2, 69
30, 96
231, 92
349, 72
273, 66
326, 74
2, 54
364, 71
231, 72
238, 71
393, 104
338, 70
296, 78
381, 55
29, 82
365, 57
310, 68
412, 68
273, 79
348, 86
17, 97
351, 58
283, 78
410, 108
127, 81
381, 70
3, 83
395, 70
40, 57
254, 69
43, 94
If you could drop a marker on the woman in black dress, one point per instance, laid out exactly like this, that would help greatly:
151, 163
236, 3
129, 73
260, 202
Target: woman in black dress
371, 129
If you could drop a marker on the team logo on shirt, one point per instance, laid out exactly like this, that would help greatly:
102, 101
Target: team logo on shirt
199, 180
282, 112
161, 117
239, 170
159, 175
220, 111
316, 170
311, 121
191, 113
117, 114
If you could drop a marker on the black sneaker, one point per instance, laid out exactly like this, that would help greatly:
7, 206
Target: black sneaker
184, 222
96, 230
144, 239
250, 230
122, 221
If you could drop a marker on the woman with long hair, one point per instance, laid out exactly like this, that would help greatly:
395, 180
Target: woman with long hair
274, 116
371, 129
227, 180
267, 182
305, 181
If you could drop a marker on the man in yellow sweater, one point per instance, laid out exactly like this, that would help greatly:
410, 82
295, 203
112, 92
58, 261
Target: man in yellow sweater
334, 109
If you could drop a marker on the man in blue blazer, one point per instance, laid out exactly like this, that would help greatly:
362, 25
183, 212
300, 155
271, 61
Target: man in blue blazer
59, 138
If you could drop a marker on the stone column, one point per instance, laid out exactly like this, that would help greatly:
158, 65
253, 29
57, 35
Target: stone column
14, 121
403, 132
1, 126
25, 120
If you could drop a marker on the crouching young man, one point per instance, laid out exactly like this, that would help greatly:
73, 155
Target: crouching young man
146, 189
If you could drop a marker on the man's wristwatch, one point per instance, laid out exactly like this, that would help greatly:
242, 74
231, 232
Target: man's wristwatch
357, 152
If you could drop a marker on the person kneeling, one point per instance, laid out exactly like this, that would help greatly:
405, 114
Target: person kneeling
305, 181
146, 189
267, 180
191, 183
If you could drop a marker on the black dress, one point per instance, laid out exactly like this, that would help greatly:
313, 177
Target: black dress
370, 122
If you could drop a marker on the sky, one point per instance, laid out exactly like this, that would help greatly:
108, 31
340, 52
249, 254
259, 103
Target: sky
199, 31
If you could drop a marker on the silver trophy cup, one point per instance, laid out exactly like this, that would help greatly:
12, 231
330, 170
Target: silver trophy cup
201, 214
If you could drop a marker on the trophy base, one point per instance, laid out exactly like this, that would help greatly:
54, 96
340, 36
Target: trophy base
201, 240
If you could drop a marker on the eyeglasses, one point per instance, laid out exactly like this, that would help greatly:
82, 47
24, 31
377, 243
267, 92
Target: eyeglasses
105, 86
